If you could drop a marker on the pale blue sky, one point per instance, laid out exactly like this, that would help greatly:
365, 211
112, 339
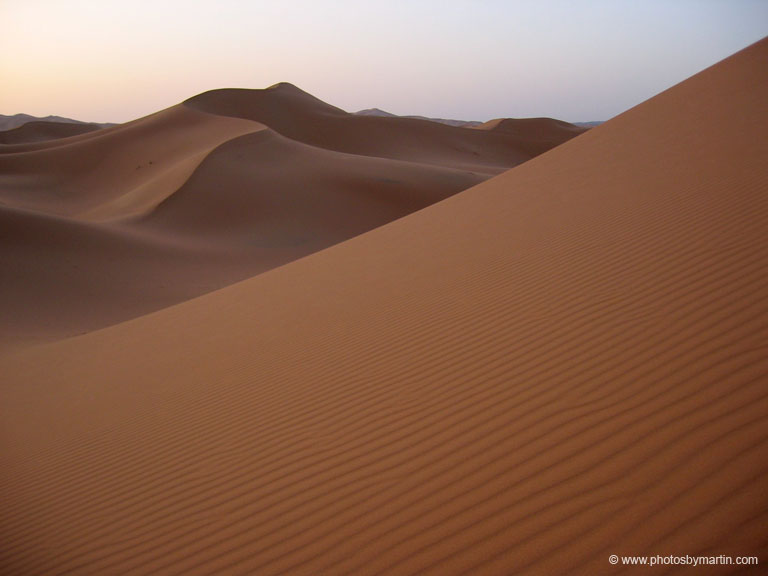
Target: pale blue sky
575, 60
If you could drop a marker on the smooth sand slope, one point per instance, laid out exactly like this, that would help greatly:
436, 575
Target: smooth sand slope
66, 269
562, 363
133, 165
106, 226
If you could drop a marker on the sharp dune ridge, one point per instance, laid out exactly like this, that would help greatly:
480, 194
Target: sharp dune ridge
564, 362
214, 190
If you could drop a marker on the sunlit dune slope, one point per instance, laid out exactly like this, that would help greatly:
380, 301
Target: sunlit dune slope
562, 363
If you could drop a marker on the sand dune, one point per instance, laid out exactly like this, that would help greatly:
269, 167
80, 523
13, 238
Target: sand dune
332, 196
449, 121
247, 208
41, 131
297, 115
535, 135
188, 200
11, 122
134, 164
564, 362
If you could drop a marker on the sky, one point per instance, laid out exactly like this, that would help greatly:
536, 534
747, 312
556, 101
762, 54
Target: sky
114, 60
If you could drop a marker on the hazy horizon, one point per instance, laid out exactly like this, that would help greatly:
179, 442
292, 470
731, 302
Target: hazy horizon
458, 59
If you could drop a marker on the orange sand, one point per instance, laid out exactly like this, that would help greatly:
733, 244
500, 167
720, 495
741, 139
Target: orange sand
565, 362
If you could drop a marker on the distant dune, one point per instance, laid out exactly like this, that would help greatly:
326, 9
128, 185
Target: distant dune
378, 112
134, 218
591, 124
41, 131
462, 123
560, 364
536, 135
11, 122
16, 120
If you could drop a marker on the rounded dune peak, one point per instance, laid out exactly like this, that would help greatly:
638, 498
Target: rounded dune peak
268, 105
286, 86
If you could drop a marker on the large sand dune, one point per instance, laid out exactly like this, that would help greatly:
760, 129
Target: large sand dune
136, 217
564, 362
302, 117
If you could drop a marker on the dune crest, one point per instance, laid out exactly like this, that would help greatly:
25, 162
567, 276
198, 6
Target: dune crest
562, 363
299, 116
79, 175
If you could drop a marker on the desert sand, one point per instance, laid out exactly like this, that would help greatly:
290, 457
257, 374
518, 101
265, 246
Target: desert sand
133, 218
563, 362
42, 131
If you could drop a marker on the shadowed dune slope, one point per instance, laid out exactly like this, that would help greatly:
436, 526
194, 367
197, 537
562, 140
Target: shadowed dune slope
562, 363
254, 203
63, 277
41, 131
267, 190
63, 272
